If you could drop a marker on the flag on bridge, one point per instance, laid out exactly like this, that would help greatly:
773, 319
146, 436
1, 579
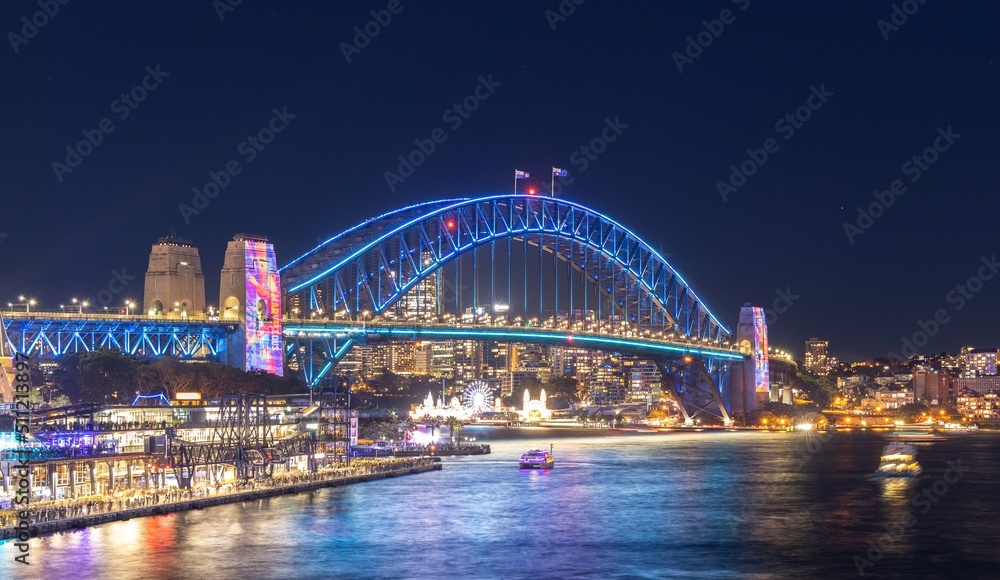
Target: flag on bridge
559, 172
518, 174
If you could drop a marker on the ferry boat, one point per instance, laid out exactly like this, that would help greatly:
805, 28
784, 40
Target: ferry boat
899, 460
537, 459
921, 434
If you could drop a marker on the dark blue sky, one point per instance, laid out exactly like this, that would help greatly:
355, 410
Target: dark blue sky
784, 228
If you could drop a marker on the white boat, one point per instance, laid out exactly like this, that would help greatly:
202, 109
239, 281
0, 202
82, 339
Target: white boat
537, 459
899, 460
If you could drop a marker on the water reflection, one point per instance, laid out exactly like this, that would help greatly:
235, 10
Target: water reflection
666, 505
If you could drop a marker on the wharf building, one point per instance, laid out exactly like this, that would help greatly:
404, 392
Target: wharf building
95, 449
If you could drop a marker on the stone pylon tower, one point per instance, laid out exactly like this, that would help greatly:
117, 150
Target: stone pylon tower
749, 384
175, 285
250, 293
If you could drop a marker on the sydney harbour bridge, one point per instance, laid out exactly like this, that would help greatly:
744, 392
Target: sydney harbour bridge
512, 268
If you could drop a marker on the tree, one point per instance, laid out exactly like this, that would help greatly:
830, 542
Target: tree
405, 426
912, 412
66, 376
455, 424
821, 390
107, 376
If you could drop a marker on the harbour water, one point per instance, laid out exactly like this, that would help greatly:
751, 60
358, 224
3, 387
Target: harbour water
626, 505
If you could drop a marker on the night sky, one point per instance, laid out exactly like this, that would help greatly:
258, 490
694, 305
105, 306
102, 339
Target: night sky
65, 233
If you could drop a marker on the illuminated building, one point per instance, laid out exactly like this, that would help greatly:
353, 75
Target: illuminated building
888, 399
442, 358
496, 361
979, 385
423, 301
250, 292
816, 356
175, 284
979, 406
101, 450
980, 363
422, 358
401, 358
606, 383
645, 382
750, 383
468, 360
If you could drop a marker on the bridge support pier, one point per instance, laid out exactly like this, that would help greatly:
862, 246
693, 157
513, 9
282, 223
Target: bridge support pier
691, 385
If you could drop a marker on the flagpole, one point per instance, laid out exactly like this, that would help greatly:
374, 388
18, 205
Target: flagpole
553, 190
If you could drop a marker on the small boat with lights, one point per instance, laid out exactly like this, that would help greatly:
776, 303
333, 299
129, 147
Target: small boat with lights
899, 460
537, 459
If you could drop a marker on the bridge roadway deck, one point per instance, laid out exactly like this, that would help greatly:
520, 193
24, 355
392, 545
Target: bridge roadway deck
629, 341
632, 343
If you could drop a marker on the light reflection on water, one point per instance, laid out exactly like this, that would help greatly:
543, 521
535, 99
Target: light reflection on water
667, 505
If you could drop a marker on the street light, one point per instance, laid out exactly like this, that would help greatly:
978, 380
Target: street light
80, 304
28, 303
129, 305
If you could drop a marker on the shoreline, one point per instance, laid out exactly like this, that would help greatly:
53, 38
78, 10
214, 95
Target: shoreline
84, 521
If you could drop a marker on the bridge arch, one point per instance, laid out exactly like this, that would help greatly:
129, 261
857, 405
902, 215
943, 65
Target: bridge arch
371, 266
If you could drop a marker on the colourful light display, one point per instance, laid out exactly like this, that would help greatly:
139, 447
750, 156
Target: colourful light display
263, 310
762, 379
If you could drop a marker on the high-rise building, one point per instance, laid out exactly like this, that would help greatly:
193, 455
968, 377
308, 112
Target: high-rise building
442, 358
980, 363
607, 383
468, 359
816, 356
422, 358
402, 358
496, 361
645, 382
175, 284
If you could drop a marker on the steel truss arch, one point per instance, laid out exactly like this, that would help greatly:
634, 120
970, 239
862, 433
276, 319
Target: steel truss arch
373, 265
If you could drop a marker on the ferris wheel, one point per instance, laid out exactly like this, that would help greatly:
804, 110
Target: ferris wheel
478, 396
